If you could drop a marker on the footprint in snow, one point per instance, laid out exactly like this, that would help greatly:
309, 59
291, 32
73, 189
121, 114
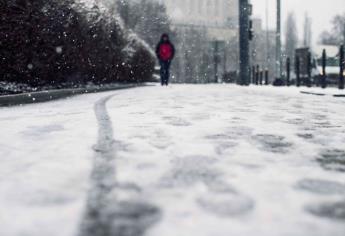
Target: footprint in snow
332, 159
331, 210
322, 187
272, 143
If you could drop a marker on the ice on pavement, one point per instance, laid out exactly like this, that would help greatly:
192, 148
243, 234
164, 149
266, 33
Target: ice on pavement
214, 159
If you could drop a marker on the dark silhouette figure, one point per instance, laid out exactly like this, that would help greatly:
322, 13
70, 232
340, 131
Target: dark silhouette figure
165, 52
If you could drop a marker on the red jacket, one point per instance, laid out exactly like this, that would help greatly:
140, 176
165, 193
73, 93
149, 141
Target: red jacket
165, 51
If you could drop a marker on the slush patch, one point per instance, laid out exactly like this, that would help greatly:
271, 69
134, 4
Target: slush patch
335, 210
332, 160
223, 147
42, 130
190, 170
296, 121
306, 136
272, 143
122, 219
176, 121
225, 205
232, 133
217, 137
324, 187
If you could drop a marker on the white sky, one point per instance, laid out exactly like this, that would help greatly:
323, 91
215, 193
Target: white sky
321, 12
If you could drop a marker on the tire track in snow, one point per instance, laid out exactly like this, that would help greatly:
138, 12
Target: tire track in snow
106, 214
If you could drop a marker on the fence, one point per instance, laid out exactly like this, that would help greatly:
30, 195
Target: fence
303, 68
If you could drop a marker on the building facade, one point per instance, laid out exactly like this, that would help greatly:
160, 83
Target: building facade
207, 42
211, 13
263, 48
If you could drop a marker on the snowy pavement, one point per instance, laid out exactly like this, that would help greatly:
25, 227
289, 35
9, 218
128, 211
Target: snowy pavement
201, 160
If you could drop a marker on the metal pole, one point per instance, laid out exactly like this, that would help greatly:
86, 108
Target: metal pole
288, 69
309, 65
278, 43
298, 75
244, 42
253, 74
216, 58
344, 35
341, 65
266, 77
267, 39
257, 75
324, 76
224, 62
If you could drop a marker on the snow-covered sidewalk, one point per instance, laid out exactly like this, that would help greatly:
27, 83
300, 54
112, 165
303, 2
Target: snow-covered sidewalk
203, 160
46, 159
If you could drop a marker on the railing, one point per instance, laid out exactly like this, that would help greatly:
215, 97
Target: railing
303, 78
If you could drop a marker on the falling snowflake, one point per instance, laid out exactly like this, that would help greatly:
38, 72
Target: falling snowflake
58, 50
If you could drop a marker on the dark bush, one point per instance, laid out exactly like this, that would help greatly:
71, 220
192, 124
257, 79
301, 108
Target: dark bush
68, 41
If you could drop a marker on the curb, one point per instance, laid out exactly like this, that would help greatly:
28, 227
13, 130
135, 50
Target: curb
312, 93
323, 94
50, 95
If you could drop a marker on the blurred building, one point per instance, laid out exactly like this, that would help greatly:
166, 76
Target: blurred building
207, 32
263, 47
203, 12
220, 17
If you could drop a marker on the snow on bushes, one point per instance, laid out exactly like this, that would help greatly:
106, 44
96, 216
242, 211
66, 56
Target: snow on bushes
68, 41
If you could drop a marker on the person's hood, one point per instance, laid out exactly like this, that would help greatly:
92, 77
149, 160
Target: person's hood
165, 35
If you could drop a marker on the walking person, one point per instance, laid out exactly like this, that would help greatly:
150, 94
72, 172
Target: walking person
165, 52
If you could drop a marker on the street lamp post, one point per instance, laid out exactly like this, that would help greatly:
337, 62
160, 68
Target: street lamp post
216, 60
341, 64
278, 43
244, 42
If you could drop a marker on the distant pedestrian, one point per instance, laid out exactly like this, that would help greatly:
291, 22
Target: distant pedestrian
165, 52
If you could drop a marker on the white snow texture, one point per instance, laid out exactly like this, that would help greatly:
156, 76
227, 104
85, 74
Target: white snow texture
217, 160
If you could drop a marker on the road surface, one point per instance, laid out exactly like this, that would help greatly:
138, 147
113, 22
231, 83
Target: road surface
199, 160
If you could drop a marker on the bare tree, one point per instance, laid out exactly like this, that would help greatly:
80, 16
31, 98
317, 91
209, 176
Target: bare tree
336, 35
147, 18
307, 36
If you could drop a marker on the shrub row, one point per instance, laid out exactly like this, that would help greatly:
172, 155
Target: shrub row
68, 41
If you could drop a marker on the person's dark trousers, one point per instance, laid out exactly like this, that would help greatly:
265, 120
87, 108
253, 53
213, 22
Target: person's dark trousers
165, 74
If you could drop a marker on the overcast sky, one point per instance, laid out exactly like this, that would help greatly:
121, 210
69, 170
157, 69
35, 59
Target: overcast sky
321, 12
